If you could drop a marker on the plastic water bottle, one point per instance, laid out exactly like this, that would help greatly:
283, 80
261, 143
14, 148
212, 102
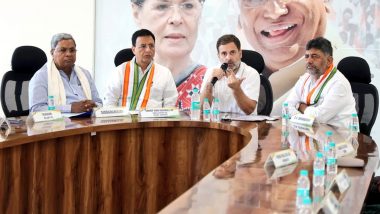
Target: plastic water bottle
354, 126
206, 110
331, 164
326, 143
285, 137
215, 110
51, 103
303, 188
285, 113
306, 207
195, 109
318, 170
318, 194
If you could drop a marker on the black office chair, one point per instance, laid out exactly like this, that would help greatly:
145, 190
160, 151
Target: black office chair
357, 71
123, 56
26, 60
256, 61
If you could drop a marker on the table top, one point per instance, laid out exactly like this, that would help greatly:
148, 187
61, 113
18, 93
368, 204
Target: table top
241, 184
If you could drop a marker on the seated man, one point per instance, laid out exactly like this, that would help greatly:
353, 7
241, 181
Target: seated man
238, 87
71, 86
141, 83
322, 92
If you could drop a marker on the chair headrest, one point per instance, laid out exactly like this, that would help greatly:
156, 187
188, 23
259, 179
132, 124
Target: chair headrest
28, 59
123, 56
355, 69
253, 59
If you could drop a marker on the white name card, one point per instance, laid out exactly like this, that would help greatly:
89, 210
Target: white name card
160, 112
329, 205
42, 116
302, 119
344, 149
343, 181
274, 174
111, 111
281, 158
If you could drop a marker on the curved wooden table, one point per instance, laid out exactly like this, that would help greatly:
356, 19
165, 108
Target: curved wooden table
130, 165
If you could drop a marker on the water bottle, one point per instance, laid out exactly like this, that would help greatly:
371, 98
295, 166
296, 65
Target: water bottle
285, 137
306, 207
215, 110
303, 188
318, 194
206, 110
354, 126
318, 170
285, 114
195, 109
331, 164
326, 144
51, 103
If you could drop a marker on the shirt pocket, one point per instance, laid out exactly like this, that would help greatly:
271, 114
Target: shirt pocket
156, 96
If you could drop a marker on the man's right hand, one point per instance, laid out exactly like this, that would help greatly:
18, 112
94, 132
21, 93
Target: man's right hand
218, 73
82, 106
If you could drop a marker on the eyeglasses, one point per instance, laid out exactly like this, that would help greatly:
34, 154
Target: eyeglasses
312, 56
188, 8
257, 3
143, 46
64, 50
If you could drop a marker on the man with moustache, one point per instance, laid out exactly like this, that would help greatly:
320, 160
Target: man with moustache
279, 31
238, 88
71, 86
141, 83
322, 92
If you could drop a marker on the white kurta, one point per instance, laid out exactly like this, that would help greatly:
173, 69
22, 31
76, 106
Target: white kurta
162, 94
336, 103
250, 87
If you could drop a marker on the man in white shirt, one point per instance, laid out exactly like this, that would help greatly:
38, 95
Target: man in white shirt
238, 87
141, 83
322, 92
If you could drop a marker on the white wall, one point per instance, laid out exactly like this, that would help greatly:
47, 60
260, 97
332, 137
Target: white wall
25, 22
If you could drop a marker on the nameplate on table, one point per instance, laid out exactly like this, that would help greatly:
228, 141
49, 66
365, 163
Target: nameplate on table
344, 149
302, 119
303, 128
281, 158
275, 173
42, 116
329, 204
343, 181
160, 112
111, 111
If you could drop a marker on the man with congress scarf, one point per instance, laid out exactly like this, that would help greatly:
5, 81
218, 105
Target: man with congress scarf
71, 86
141, 83
322, 92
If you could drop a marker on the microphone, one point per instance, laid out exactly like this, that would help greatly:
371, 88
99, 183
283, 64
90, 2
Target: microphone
224, 68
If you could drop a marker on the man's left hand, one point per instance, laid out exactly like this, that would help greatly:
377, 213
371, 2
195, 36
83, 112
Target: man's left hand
232, 81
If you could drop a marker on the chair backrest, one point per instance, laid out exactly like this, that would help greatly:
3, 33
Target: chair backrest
26, 60
123, 56
256, 61
357, 71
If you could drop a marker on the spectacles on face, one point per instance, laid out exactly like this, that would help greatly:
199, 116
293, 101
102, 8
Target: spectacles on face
257, 3
187, 8
64, 50
144, 46
312, 56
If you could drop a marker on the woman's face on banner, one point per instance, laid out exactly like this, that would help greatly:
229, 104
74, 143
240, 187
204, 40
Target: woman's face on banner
280, 29
174, 24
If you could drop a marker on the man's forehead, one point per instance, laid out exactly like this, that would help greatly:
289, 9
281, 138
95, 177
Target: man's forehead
314, 51
66, 43
228, 47
144, 40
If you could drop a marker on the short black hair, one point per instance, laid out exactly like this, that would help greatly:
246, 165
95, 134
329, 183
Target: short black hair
225, 39
142, 32
321, 44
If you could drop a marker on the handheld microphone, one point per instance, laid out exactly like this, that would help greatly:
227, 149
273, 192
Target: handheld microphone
224, 67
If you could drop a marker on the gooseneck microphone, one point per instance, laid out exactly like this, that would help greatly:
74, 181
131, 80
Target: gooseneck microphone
224, 68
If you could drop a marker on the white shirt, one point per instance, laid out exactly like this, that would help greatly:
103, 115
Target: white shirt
162, 94
336, 102
250, 87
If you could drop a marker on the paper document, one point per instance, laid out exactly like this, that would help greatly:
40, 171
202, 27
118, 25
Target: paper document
254, 118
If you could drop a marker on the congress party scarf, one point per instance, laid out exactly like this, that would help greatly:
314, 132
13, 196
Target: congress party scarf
133, 88
56, 87
315, 93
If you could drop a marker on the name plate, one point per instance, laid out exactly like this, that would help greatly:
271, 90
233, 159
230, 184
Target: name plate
302, 119
42, 116
343, 181
275, 173
329, 204
281, 158
303, 128
344, 149
111, 111
160, 112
